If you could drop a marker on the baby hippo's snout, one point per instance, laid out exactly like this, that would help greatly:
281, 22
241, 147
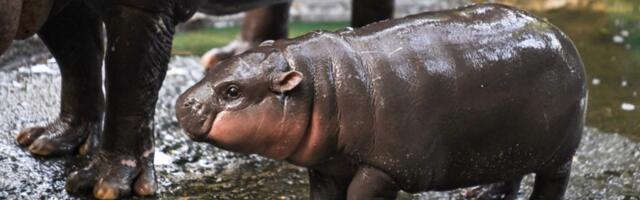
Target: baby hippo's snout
194, 111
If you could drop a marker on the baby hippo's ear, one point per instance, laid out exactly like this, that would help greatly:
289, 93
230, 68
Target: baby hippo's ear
286, 81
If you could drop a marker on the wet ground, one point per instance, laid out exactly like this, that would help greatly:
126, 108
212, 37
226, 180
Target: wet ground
607, 165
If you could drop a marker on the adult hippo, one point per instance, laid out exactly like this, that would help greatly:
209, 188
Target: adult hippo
139, 34
436, 101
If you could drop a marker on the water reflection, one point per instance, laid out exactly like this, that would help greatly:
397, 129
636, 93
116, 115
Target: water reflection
607, 34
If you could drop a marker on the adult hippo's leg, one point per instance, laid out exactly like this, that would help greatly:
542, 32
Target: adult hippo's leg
138, 52
368, 11
74, 38
260, 24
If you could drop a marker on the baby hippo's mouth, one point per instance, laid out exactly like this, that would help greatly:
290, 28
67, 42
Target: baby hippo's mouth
198, 129
195, 117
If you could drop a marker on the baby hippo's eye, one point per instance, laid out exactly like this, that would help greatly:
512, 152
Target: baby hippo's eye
232, 92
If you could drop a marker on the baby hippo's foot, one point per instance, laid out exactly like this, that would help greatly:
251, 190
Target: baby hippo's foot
63, 136
111, 176
216, 55
502, 190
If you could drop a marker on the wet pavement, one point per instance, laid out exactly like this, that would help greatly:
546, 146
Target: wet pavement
607, 165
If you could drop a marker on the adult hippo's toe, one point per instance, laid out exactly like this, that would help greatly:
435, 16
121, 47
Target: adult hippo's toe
9, 22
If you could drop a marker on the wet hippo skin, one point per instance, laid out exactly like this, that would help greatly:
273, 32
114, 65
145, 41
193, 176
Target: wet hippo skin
271, 23
483, 94
115, 127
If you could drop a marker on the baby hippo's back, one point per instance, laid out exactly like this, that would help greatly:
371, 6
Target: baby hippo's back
458, 98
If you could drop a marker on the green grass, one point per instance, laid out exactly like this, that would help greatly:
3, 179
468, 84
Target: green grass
200, 41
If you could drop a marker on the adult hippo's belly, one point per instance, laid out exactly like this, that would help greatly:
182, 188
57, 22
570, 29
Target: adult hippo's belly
9, 22
20, 19
435, 101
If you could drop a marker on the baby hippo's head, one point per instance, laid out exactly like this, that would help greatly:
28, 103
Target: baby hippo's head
244, 105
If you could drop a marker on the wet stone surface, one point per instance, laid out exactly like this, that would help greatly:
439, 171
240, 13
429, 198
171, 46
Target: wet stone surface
607, 166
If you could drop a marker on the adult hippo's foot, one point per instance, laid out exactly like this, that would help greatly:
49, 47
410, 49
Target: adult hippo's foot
60, 137
110, 176
266, 23
216, 55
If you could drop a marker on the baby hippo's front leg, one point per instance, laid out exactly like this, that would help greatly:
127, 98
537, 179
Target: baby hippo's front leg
371, 183
324, 186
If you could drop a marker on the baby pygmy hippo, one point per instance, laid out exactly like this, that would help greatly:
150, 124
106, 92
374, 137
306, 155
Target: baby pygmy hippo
435, 101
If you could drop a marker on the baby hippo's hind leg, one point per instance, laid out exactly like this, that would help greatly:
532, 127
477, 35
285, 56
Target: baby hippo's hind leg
507, 190
372, 183
551, 183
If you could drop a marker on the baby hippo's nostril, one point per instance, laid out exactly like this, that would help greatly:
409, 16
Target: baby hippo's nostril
189, 103
193, 104
198, 106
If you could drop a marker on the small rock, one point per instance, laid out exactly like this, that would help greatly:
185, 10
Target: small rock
161, 158
42, 69
618, 39
624, 33
627, 107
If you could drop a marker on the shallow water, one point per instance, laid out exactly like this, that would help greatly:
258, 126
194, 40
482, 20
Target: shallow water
607, 165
